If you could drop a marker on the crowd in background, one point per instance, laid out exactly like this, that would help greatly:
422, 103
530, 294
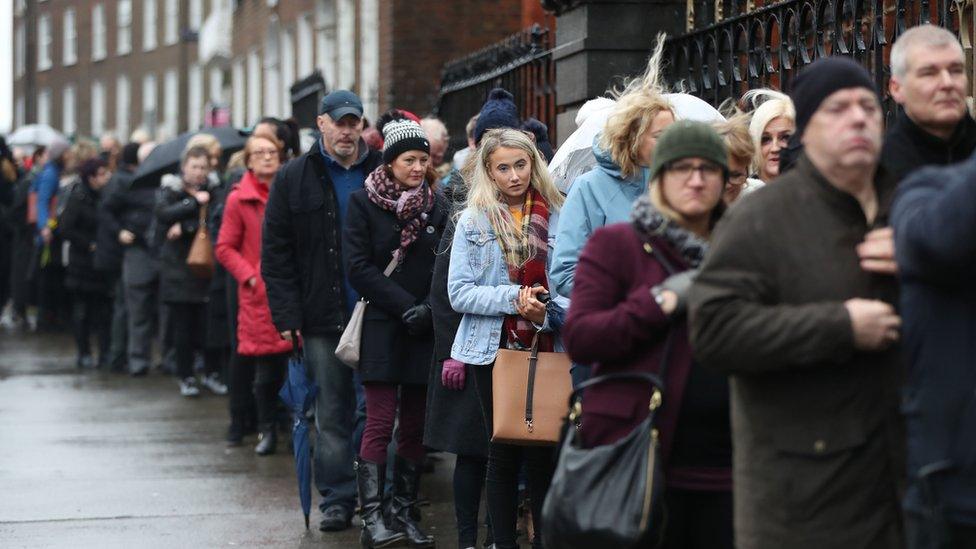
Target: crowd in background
788, 273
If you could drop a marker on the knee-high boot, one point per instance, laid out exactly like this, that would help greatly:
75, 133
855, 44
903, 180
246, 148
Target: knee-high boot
406, 483
369, 480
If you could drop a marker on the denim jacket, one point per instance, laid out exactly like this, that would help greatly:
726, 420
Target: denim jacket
480, 289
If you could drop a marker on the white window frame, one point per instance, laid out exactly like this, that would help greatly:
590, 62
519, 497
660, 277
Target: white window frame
98, 100
194, 99
238, 94
196, 14
150, 32
123, 20
69, 46
305, 40
20, 50
171, 32
123, 105
171, 101
69, 110
149, 94
44, 42
44, 106
99, 33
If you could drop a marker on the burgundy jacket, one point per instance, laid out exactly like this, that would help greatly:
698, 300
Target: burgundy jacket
615, 324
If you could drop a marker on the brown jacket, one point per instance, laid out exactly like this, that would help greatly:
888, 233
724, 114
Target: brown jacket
816, 432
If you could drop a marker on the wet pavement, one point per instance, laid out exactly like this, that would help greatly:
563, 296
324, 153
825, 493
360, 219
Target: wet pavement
93, 459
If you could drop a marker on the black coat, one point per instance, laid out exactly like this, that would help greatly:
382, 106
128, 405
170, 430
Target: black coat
457, 423
301, 248
108, 253
178, 283
908, 147
78, 225
370, 235
132, 210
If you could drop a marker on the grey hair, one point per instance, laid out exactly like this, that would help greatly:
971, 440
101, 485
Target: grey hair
922, 35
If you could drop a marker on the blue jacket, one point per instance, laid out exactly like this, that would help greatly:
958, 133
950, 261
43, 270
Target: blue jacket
46, 185
934, 217
597, 198
480, 289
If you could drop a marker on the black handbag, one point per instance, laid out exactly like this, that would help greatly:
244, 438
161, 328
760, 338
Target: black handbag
611, 495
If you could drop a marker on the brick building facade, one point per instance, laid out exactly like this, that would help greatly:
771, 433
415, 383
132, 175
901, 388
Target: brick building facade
94, 66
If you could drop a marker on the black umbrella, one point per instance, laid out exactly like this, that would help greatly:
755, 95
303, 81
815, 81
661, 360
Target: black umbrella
165, 158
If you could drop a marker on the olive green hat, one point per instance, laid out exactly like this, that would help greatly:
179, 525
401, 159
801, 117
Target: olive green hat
687, 139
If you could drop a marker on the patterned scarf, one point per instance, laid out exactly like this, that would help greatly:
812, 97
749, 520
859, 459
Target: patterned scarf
411, 206
527, 266
648, 222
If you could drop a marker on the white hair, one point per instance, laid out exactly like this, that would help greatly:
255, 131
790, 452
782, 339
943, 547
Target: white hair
930, 36
435, 129
776, 105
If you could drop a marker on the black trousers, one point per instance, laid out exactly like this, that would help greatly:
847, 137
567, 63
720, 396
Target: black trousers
469, 479
697, 520
143, 317
120, 338
91, 314
188, 325
22, 287
269, 373
240, 388
505, 461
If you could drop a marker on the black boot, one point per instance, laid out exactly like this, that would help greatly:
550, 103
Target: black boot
406, 483
268, 441
369, 480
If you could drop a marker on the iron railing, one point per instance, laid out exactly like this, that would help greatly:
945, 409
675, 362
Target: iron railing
521, 63
767, 46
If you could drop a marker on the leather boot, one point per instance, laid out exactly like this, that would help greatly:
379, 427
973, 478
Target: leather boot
406, 483
267, 442
369, 481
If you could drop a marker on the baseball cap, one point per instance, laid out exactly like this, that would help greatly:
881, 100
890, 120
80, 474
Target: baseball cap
339, 103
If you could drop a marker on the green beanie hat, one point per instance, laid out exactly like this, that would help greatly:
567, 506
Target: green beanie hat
688, 139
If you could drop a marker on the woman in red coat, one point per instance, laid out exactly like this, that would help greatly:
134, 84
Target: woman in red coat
239, 250
627, 300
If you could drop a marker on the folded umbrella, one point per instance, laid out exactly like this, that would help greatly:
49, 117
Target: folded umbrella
298, 393
165, 158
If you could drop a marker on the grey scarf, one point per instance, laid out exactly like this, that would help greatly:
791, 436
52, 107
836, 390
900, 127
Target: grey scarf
649, 223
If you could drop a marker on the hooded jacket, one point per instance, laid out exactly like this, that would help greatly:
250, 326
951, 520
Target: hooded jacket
601, 196
175, 205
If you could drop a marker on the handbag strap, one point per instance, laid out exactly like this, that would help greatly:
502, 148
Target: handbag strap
530, 385
390, 268
203, 218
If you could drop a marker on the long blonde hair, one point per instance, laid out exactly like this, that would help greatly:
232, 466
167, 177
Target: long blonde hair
483, 194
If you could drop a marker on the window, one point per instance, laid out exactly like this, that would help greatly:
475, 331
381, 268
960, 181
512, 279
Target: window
216, 84
98, 32
253, 87
194, 107
20, 112
69, 124
123, 98
149, 102
44, 106
19, 7
44, 42
287, 70
172, 32
171, 101
97, 108
70, 53
237, 93
305, 63
20, 50
148, 25
196, 14
124, 21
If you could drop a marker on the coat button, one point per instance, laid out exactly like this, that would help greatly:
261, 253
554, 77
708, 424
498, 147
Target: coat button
430, 229
820, 446
396, 227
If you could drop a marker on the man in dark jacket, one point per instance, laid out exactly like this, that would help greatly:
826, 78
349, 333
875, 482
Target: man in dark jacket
928, 80
934, 217
789, 305
301, 263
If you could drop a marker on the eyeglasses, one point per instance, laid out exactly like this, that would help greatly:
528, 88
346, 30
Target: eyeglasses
736, 179
708, 170
267, 153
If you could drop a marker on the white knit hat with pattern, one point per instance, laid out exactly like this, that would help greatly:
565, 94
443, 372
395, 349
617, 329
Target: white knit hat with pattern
400, 136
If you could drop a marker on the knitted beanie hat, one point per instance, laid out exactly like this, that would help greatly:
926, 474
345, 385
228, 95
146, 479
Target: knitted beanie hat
499, 111
400, 136
819, 80
687, 139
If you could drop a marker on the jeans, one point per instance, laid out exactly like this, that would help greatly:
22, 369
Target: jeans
469, 479
505, 461
336, 411
381, 414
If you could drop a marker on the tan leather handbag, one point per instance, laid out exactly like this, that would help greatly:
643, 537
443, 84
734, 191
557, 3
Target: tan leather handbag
200, 260
530, 391
351, 339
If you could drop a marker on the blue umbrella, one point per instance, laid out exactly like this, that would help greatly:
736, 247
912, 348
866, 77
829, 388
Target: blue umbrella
298, 393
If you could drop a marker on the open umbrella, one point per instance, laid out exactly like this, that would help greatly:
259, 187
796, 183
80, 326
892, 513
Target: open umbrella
34, 135
166, 157
575, 156
298, 393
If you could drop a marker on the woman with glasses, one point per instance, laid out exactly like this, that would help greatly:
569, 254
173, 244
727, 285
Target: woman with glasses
261, 352
628, 316
772, 125
738, 142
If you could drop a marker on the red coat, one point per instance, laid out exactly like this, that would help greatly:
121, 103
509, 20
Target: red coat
239, 251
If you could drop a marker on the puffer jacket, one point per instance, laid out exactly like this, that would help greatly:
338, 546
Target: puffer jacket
597, 198
239, 251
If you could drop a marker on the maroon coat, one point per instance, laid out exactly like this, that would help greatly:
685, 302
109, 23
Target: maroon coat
615, 324
239, 251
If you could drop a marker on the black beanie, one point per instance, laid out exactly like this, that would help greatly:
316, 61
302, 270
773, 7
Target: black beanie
499, 111
130, 154
820, 79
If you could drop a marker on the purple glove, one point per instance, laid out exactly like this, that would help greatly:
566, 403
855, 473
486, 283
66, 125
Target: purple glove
452, 375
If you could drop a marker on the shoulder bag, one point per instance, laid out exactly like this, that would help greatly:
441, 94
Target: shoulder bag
349, 343
200, 260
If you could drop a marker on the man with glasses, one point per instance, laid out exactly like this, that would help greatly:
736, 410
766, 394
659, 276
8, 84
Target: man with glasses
738, 142
788, 304
308, 292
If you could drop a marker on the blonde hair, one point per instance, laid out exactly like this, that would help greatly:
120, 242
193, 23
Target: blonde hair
206, 141
484, 196
776, 105
651, 80
624, 130
738, 141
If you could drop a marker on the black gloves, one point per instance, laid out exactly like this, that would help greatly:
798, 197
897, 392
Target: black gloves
418, 319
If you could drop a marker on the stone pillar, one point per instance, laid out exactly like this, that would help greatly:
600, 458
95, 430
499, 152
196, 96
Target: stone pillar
598, 40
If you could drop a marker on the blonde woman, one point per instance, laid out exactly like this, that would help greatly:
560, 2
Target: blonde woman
772, 125
501, 250
738, 142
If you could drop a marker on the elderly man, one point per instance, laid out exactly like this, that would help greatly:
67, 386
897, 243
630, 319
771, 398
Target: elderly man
928, 80
790, 308
308, 292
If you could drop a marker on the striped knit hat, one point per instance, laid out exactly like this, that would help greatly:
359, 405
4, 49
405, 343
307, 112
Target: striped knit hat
400, 136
